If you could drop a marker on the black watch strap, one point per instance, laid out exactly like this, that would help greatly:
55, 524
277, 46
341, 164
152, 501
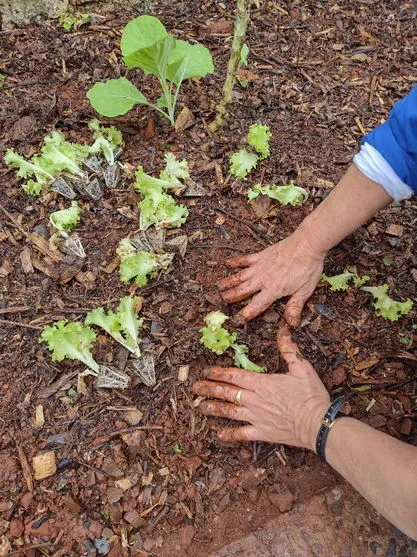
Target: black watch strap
327, 423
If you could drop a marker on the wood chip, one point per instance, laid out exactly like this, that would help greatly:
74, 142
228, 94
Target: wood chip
183, 372
6, 268
365, 364
27, 474
25, 258
39, 416
133, 417
124, 484
185, 119
44, 465
395, 230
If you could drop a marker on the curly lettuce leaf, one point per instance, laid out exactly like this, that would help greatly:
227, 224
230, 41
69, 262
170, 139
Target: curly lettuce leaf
69, 21
258, 138
107, 140
241, 359
386, 306
215, 319
141, 264
61, 155
218, 340
242, 162
337, 282
287, 195
125, 248
175, 169
71, 341
66, 219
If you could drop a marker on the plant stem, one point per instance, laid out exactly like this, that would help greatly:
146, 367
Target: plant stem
241, 23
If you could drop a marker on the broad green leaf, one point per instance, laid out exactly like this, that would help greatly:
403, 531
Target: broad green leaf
241, 359
153, 59
287, 195
218, 341
258, 137
338, 282
141, 32
242, 162
196, 61
115, 97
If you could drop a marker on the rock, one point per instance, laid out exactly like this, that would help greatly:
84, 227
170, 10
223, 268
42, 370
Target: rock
186, 534
114, 494
102, 546
217, 479
16, 528
282, 498
250, 479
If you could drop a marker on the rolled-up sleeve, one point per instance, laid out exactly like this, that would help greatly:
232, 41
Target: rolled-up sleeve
388, 154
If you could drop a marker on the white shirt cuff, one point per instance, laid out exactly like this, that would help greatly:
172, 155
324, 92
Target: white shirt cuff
371, 163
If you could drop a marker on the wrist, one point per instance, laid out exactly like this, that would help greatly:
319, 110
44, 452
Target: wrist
312, 421
310, 240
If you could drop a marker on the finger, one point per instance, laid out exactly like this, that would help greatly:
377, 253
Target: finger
234, 280
244, 379
241, 261
256, 306
287, 347
240, 292
293, 309
213, 389
225, 410
246, 433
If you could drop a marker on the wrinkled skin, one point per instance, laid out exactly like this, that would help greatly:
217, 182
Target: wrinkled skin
279, 408
289, 268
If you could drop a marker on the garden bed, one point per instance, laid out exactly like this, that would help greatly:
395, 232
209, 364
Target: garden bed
321, 75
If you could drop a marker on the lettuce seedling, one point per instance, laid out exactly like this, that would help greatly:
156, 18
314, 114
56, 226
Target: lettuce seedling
146, 44
340, 282
242, 162
287, 195
386, 306
65, 220
35, 167
71, 341
241, 359
157, 207
258, 138
139, 265
107, 140
72, 21
213, 335
124, 321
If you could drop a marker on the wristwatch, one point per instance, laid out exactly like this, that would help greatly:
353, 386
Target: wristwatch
327, 422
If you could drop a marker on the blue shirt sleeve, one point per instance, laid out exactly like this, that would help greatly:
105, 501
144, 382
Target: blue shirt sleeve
396, 139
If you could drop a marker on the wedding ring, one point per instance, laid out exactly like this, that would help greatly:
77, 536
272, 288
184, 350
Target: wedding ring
238, 398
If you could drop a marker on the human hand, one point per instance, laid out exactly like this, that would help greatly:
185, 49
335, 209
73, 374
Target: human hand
289, 268
280, 408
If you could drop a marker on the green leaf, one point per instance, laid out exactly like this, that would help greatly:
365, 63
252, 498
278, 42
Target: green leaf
215, 319
27, 168
387, 260
287, 195
70, 341
213, 336
386, 306
141, 32
129, 322
2, 80
66, 219
187, 61
241, 359
153, 59
363, 388
258, 137
242, 162
244, 52
115, 97
60, 155
338, 282
175, 169
359, 281
140, 264
69, 21
107, 140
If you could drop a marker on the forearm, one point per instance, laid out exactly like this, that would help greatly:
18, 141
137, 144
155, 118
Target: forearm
381, 468
351, 204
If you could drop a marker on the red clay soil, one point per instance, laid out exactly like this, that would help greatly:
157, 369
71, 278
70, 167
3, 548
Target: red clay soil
321, 74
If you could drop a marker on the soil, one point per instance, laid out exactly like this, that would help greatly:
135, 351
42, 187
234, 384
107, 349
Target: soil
322, 73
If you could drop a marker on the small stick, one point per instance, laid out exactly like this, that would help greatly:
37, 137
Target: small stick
255, 229
17, 324
15, 310
25, 468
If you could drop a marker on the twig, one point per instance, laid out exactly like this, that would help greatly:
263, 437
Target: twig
25, 468
17, 324
259, 235
15, 310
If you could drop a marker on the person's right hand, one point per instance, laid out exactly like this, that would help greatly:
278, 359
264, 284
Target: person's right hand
289, 268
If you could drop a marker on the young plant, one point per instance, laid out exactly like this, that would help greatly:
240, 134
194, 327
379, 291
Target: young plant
107, 140
241, 359
386, 306
213, 335
123, 326
66, 219
258, 138
287, 195
140, 265
340, 282
72, 21
146, 44
242, 163
157, 207
71, 341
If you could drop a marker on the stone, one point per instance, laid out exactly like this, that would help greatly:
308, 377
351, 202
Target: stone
250, 479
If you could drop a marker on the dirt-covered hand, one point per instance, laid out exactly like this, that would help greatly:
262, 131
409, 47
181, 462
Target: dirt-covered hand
289, 268
280, 408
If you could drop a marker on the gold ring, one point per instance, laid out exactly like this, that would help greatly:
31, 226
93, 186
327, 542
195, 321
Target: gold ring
238, 398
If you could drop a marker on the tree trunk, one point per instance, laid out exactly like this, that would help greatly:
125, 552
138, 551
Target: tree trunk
241, 24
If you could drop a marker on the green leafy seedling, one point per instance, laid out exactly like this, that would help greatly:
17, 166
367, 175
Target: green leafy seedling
242, 162
214, 336
241, 359
66, 219
146, 45
72, 21
258, 138
287, 195
386, 306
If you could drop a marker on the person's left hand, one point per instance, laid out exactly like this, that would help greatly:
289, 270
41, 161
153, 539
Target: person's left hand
280, 408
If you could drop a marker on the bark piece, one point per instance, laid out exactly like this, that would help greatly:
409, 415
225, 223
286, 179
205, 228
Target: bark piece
44, 465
